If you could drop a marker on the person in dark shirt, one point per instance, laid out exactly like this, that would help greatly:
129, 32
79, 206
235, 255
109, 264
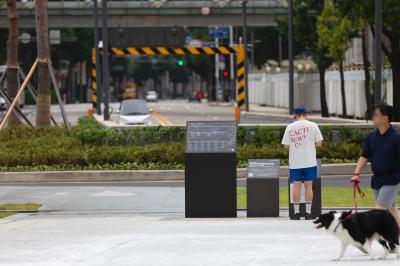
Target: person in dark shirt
382, 149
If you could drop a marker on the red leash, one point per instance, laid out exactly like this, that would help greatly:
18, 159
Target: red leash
356, 189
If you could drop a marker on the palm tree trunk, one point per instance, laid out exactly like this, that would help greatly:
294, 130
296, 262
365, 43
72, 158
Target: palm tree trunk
342, 89
12, 56
43, 86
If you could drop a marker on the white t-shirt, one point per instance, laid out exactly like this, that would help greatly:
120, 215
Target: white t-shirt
301, 137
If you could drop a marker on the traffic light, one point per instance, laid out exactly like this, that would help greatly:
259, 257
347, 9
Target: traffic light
226, 74
180, 62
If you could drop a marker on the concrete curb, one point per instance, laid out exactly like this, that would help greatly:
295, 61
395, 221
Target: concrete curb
142, 175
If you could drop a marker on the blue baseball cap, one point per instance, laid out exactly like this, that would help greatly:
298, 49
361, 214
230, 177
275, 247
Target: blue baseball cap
300, 110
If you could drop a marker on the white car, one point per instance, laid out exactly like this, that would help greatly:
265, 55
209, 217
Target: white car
151, 96
134, 112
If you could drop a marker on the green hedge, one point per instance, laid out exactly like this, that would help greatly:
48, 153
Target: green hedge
89, 146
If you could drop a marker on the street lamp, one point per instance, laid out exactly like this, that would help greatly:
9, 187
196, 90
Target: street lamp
245, 61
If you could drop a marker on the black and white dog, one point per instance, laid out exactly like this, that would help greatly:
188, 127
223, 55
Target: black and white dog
360, 229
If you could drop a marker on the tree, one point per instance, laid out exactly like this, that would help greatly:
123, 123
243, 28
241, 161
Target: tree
12, 56
305, 17
356, 13
334, 33
390, 32
43, 50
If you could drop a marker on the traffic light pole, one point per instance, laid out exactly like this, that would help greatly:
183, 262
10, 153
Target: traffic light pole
106, 72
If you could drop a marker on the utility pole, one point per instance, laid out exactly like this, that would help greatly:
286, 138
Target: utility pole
99, 90
290, 45
106, 72
378, 55
246, 62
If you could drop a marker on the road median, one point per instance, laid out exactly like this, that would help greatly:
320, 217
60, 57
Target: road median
141, 175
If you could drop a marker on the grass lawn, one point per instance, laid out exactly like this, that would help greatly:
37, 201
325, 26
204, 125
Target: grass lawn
331, 197
11, 208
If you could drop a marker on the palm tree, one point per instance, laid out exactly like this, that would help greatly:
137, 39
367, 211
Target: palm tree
12, 56
42, 32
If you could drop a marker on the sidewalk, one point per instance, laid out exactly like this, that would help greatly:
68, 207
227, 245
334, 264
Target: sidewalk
283, 113
134, 239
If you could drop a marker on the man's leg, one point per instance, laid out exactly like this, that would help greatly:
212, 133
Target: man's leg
309, 176
308, 195
386, 200
296, 196
395, 214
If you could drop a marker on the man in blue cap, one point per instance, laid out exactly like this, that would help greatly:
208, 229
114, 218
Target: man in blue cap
301, 138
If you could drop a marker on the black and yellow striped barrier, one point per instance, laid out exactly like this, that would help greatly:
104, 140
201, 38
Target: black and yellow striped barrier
224, 50
151, 51
93, 84
240, 83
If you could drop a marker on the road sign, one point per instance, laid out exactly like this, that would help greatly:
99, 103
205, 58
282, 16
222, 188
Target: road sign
211, 137
147, 37
25, 38
55, 36
220, 33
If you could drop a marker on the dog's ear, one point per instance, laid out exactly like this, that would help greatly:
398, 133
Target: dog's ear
345, 214
332, 212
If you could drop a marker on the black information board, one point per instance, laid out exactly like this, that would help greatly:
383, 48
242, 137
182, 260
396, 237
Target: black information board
211, 137
210, 169
263, 168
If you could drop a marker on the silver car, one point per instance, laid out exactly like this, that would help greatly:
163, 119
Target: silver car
134, 112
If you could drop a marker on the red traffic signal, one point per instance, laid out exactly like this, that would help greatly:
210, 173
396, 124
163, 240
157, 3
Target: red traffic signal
226, 74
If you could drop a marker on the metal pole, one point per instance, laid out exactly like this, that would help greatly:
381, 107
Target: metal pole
20, 91
217, 83
252, 50
378, 55
32, 91
232, 63
280, 50
106, 73
291, 73
246, 63
99, 90
57, 92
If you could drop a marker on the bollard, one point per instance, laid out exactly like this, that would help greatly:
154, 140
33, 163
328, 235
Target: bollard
90, 112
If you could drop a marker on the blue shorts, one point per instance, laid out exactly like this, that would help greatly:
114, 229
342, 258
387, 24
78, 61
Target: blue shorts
303, 174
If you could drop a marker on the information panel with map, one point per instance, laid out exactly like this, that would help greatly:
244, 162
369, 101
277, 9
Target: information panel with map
211, 137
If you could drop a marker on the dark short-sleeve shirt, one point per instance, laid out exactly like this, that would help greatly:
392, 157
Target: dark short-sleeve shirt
383, 151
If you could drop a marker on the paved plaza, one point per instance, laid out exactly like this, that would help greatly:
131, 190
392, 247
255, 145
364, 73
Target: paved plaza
144, 225
169, 239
